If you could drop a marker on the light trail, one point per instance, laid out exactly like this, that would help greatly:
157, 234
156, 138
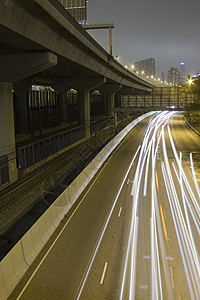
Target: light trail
80, 290
183, 229
149, 148
194, 176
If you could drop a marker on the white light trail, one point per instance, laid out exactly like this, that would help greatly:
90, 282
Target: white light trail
194, 176
183, 229
80, 290
149, 146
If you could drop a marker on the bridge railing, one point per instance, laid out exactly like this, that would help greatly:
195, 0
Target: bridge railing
31, 154
162, 97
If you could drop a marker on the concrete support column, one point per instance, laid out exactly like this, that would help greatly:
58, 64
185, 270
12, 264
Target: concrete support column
110, 104
21, 111
84, 111
7, 133
63, 107
84, 86
62, 90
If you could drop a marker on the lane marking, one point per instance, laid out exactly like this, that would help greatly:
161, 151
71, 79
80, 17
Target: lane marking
133, 188
86, 274
157, 180
143, 287
169, 258
47, 253
172, 277
104, 273
146, 256
163, 221
120, 210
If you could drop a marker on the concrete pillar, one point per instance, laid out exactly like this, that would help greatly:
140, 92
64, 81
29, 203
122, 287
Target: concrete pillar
21, 111
63, 107
110, 101
7, 132
62, 90
21, 89
84, 111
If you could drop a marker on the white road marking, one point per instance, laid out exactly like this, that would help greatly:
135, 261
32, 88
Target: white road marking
172, 277
146, 256
52, 245
132, 190
143, 287
104, 273
169, 258
120, 210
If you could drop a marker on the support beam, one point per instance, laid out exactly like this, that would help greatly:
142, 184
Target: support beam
110, 88
88, 83
62, 90
84, 87
84, 111
7, 134
20, 95
125, 90
15, 67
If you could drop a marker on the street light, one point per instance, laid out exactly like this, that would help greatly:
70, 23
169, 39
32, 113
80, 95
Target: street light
190, 81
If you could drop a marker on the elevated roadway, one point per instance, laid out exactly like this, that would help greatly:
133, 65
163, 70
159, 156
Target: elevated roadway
134, 233
42, 44
41, 37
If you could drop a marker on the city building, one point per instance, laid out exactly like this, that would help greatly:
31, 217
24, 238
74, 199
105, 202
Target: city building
162, 77
182, 71
147, 66
173, 76
77, 8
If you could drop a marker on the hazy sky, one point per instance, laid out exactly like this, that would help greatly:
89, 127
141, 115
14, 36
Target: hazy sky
167, 30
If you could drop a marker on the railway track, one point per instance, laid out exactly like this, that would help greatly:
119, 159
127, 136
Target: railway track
16, 202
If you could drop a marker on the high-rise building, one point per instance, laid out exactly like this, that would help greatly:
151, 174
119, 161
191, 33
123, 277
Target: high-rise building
77, 8
162, 77
147, 66
173, 76
182, 71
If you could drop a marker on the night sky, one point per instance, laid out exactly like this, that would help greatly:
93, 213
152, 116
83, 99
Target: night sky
168, 31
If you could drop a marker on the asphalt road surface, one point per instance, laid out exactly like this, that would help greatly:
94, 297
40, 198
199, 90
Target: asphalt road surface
134, 233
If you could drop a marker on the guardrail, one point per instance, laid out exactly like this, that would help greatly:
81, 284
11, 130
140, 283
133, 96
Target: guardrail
33, 153
17, 261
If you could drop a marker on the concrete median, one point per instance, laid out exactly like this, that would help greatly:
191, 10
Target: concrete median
3, 292
9, 276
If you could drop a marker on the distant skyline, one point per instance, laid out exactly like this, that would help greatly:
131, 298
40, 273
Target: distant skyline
165, 30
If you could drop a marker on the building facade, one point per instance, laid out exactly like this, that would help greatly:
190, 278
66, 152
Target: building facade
173, 76
182, 72
147, 66
77, 8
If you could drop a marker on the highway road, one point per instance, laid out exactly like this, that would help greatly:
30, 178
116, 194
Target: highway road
134, 232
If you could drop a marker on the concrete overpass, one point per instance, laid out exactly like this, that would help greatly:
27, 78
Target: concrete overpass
40, 43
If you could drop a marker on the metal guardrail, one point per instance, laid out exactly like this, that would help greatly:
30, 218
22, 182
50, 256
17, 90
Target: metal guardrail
98, 125
31, 154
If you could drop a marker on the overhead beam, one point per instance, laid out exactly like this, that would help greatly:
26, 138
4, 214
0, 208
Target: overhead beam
15, 67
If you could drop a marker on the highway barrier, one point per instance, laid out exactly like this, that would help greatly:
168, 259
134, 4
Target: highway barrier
16, 262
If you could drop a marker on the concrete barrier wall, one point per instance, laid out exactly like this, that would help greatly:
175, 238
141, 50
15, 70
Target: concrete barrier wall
16, 262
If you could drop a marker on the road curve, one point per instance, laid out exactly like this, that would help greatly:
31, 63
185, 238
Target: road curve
134, 233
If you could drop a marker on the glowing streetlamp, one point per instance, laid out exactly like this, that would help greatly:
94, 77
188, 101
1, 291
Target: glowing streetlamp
190, 81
